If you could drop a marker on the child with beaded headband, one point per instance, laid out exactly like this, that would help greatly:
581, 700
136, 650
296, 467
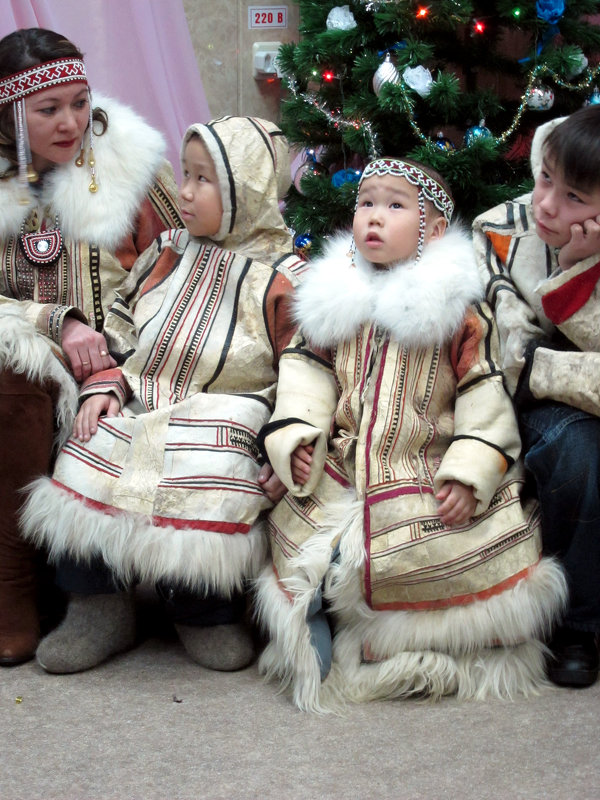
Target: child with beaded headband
64, 249
402, 529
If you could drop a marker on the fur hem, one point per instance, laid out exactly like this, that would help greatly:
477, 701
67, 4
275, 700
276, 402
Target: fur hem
489, 648
135, 549
24, 351
289, 657
501, 672
525, 611
340, 293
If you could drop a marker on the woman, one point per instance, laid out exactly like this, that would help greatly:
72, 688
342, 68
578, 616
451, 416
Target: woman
83, 191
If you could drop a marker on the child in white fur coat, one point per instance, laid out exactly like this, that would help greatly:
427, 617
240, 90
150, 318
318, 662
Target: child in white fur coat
403, 533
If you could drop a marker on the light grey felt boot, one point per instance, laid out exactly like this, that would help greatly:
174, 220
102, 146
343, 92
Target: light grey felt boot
96, 627
221, 647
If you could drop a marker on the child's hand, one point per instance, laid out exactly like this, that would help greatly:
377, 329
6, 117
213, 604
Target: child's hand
301, 463
457, 503
271, 485
86, 421
584, 242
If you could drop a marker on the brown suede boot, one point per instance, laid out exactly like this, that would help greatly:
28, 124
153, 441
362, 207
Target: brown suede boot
26, 426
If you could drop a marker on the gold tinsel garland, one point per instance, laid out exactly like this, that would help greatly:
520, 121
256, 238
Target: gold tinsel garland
337, 120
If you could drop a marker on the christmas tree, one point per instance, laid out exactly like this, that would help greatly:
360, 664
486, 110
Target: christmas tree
457, 84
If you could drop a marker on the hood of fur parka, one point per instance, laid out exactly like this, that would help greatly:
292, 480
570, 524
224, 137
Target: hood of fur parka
128, 155
251, 157
419, 304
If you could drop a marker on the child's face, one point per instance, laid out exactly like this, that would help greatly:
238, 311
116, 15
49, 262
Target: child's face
557, 205
386, 221
199, 194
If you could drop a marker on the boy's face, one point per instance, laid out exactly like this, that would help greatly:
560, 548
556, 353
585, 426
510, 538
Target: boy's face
199, 194
386, 221
557, 205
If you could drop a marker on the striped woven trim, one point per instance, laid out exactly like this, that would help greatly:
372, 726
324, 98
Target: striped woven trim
432, 190
34, 79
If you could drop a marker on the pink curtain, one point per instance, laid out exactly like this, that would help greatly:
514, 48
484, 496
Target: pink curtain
138, 51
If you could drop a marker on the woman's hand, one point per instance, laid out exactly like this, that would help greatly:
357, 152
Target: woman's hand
85, 348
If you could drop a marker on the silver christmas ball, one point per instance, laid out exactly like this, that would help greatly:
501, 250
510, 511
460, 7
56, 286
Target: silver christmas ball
386, 73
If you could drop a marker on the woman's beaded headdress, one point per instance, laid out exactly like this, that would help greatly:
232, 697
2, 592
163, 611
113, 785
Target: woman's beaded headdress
15, 88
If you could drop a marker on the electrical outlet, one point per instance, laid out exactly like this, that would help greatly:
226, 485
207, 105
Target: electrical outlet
264, 60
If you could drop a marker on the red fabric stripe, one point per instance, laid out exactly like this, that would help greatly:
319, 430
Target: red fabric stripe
163, 522
459, 600
565, 301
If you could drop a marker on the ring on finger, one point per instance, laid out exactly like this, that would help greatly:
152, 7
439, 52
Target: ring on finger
103, 353
85, 363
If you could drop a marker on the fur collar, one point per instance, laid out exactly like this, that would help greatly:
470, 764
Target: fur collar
420, 305
128, 155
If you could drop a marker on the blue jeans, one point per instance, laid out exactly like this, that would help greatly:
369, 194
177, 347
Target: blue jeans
561, 446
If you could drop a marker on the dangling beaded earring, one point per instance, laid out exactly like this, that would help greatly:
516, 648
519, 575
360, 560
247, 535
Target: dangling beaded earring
80, 160
422, 224
93, 187
351, 253
27, 173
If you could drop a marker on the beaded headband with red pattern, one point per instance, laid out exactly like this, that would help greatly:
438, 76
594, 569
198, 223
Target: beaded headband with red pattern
432, 190
34, 79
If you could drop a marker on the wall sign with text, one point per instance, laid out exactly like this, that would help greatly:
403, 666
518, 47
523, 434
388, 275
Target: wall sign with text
267, 16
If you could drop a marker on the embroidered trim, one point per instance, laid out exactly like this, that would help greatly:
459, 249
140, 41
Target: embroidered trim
34, 79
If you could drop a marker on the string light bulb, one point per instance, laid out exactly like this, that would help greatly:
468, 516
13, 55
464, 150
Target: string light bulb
422, 12
328, 75
478, 26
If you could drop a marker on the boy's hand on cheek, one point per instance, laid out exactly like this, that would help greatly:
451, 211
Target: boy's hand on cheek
584, 242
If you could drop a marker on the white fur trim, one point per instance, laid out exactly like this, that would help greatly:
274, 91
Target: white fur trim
502, 672
419, 304
134, 548
25, 351
538, 141
128, 155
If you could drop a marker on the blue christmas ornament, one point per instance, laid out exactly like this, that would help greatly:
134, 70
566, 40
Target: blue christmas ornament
594, 98
343, 176
443, 142
477, 132
302, 245
550, 10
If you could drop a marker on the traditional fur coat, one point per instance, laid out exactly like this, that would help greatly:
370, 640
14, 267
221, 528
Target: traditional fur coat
393, 377
537, 305
168, 490
103, 234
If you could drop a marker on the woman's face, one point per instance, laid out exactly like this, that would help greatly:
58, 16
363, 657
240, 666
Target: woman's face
56, 119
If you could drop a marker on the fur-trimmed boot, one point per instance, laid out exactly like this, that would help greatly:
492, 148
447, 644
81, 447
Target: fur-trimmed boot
96, 627
26, 422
